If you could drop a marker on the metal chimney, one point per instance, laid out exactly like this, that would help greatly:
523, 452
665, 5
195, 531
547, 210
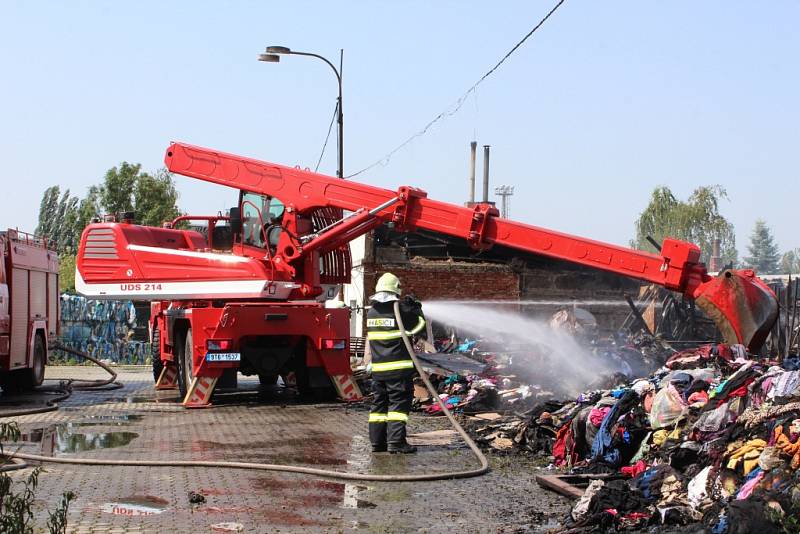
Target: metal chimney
473, 148
485, 173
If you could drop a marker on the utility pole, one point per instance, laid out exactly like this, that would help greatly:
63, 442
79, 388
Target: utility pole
504, 192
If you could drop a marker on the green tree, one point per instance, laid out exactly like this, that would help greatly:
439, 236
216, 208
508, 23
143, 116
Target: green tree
127, 188
790, 262
763, 250
66, 273
69, 234
155, 198
58, 219
63, 217
89, 207
116, 193
47, 210
697, 220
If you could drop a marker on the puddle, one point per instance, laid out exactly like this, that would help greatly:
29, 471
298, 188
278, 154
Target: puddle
69, 437
125, 417
136, 505
323, 450
136, 399
314, 494
100, 420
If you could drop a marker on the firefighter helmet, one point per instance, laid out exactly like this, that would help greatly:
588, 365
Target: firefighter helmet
388, 282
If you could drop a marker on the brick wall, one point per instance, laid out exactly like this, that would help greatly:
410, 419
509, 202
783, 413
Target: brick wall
443, 280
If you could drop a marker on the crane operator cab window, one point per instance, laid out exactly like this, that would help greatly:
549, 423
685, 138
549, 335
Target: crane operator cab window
261, 217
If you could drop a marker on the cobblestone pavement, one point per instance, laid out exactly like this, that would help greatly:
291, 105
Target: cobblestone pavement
136, 422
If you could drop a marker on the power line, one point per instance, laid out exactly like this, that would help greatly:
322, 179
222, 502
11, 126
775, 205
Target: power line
454, 108
327, 137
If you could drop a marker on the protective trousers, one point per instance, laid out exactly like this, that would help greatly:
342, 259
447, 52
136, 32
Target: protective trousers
389, 413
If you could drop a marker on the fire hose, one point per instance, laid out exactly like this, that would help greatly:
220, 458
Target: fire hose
337, 475
65, 387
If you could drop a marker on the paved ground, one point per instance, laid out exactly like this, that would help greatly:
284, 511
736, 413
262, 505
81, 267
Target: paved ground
137, 422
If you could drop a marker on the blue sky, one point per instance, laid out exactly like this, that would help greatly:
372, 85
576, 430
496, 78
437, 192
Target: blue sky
607, 101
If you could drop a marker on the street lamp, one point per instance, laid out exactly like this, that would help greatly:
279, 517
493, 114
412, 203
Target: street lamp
273, 55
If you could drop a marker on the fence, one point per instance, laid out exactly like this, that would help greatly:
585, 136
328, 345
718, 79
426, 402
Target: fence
102, 328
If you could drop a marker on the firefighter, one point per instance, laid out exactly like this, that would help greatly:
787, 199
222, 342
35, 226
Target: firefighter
391, 365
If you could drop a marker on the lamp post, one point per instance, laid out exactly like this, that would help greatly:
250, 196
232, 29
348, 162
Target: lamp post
273, 55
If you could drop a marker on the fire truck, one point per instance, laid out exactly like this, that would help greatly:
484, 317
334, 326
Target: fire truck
29, 308
252, 292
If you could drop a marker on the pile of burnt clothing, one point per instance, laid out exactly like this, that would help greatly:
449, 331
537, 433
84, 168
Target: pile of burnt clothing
472, 381
473, 394
533, 432
711, 440
528, 418
470, 393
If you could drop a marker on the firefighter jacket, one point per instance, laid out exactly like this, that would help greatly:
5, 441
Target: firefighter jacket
390, 359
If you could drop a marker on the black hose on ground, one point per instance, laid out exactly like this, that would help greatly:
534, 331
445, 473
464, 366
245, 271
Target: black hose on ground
12, 461
79, 383
65, 387
325, 473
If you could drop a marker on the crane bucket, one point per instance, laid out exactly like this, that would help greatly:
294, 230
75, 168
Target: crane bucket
742, 306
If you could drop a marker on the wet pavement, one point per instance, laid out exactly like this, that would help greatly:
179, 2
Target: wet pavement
137, 422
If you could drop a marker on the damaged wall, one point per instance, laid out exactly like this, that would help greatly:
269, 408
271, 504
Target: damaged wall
558, 281
498, 275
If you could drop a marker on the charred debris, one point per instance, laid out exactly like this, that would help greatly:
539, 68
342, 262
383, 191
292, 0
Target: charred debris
676, 429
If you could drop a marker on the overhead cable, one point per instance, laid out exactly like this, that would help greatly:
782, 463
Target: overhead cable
330, 127
453, 109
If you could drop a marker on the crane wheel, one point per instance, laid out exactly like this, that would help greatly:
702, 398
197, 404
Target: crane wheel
188, 361
27, 379
155, 354
36, 372
180, 350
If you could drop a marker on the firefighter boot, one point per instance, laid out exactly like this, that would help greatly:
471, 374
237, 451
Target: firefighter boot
402, 448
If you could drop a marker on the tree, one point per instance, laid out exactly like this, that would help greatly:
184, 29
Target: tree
790, 262
763, 250
155, 198
89, 207
696, 220
66, 272
47, 210
116, 193
70, 234
58, 219
127, 188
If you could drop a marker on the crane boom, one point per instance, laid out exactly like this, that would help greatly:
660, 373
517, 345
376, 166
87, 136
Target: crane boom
743, 307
